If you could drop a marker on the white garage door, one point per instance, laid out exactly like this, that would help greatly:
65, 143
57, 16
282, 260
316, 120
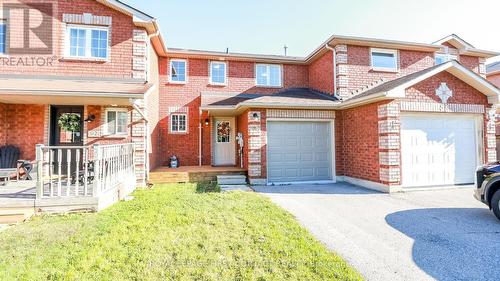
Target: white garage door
438, 150
299, 151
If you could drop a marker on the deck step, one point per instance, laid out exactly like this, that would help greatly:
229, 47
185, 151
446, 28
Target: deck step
231, 180
15, 215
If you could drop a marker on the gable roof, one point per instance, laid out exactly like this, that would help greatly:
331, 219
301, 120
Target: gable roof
455, 41
396, 88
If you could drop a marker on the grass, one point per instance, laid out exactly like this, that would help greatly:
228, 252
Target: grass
172, 232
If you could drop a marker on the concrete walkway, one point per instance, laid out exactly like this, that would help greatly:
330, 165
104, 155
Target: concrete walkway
426, 235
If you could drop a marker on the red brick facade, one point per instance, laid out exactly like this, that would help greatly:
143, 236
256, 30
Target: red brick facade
241, 79
321, 74
121, 32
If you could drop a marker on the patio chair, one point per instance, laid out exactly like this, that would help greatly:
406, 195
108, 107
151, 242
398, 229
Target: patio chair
9, 155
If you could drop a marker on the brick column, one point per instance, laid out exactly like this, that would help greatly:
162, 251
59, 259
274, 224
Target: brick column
341, 87
139, 52
389, 144
139, 134
490, 138
257, 147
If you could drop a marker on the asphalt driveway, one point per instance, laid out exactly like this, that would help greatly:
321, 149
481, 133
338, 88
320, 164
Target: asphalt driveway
425, 235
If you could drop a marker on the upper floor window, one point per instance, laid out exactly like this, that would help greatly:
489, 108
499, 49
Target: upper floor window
442, 58
217, 73
3, 36
268, 75
116, 121
384, 60
178, 71
88, 42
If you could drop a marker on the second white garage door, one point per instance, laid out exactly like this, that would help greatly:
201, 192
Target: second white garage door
438, 150
299, 151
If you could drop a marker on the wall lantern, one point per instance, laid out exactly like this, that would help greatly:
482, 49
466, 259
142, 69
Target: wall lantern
207, 122
90, 118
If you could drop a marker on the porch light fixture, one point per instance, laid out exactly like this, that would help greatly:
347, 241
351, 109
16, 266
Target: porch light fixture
255, 115
90, 118
207, 122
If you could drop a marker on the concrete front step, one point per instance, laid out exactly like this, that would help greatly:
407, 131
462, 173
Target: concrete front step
231, 180
235, 187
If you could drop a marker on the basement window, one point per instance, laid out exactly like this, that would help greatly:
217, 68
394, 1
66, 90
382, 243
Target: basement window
384, 60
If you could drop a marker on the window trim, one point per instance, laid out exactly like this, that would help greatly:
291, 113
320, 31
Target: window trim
185, 131
225, 73
185, 61
117, 109
88, 42
268, 68
393, 52
4, 23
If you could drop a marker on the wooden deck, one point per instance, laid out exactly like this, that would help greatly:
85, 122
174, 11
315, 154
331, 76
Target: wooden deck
192, 174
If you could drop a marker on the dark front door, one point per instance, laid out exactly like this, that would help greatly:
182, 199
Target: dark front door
66, 129
66, 125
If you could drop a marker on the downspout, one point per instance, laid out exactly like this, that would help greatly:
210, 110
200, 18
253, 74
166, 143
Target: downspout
334, 61
199, 138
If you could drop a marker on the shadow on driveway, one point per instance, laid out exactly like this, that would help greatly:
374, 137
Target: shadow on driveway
337, 188
452, 243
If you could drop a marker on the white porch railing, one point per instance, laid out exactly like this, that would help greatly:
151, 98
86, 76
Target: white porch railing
83, 171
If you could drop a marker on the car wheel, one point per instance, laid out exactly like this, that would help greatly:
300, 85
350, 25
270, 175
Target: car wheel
495, 204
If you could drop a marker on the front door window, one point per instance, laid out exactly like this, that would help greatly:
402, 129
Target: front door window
223, 132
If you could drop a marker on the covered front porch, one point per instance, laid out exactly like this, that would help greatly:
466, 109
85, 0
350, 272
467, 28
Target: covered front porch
71, 142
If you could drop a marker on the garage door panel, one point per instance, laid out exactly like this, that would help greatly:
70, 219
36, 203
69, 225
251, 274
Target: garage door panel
309, 160
438, 150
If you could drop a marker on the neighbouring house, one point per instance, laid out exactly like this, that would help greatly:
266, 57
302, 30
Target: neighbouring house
493, 75
96, 65
382, 114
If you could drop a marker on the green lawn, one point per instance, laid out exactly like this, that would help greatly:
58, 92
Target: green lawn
173, 232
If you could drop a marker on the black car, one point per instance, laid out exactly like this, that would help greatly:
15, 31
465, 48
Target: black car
488, 186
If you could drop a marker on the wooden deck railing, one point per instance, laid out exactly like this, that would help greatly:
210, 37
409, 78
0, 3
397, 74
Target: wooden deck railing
82, 171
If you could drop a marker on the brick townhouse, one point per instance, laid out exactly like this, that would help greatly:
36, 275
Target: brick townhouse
493, 75
383, 114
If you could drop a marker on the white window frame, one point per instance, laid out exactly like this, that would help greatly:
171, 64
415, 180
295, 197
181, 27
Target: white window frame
170, 71
171, 125
108, 133
395, 53
267, 65
225, 73
4, 23
448, 57
88, 42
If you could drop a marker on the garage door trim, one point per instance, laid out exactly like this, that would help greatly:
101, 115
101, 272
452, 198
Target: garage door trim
332, 148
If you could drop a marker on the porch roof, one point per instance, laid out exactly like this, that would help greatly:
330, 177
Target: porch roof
60, 90
289, 98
